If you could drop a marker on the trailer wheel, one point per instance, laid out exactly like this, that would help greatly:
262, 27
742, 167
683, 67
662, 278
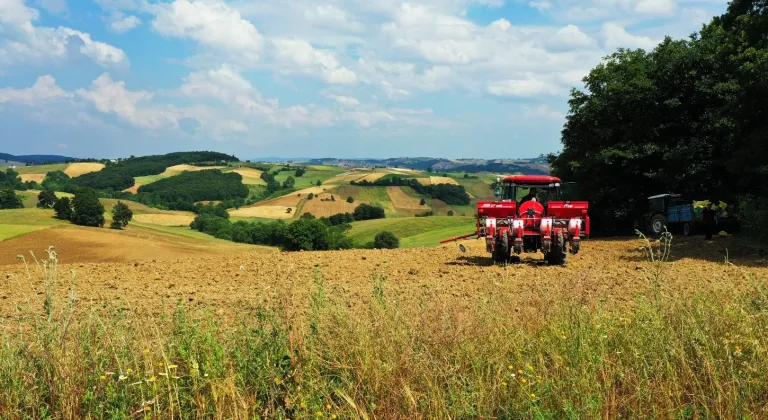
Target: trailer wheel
687, 229
658, 222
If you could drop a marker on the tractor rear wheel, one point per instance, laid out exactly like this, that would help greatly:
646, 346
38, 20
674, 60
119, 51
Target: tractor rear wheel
658, 222
501, 252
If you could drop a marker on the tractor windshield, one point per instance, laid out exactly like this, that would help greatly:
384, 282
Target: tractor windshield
517, 192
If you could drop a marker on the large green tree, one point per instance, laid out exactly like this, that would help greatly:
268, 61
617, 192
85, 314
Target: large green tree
691, 116
87, 210
9, 199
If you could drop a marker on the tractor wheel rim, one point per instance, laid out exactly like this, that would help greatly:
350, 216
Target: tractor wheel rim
657, 226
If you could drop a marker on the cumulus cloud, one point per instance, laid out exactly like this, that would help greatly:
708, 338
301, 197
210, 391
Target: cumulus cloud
616, 36
211, 23
54, 6
44, 90
23, 42
125, 23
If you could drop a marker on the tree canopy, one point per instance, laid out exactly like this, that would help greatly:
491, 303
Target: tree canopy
691, 117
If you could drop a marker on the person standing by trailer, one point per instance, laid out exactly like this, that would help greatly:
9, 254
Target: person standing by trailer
708, 216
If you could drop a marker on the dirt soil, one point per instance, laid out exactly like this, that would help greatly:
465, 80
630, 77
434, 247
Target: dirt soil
606, 272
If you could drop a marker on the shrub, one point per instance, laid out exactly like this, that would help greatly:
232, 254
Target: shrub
306, 235
423, 202
300, 172
307, 216
386, 240
290, 182
318, 183
450, 212
87, 210
46, 199
350, 199
310, 196
9, 199
368, 212
121, 215
63, 208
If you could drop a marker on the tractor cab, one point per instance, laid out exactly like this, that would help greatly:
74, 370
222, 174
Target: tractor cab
530, 193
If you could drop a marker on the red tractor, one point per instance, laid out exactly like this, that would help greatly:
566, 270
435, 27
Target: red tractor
540, 221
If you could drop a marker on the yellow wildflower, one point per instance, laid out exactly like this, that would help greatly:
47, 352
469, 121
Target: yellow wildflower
146, 351
129, 371
333, 416
520, 371
530, 367
510, 367
328, 406
523, 380
303, 404
103, 378
147, 408
319, 414
533, 395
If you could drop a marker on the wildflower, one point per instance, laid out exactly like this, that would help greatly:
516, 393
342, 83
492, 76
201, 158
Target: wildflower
530, 367
523, 380
333, 416
152, 379
503, 384
147, 408
103, 378
513, 375
122, 378
519, 371
146, 351
277, 381
303, 404
328, 406
533, 395
129, 371
319, 414
510, 367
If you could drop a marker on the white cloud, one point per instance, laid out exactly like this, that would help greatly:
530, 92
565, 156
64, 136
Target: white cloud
44, 90
23, 42
330, 16
211, 23
523, 87
345, 101
109, 96
54, 6
125, 24
616, 36
543, 112
299, 56
540, 5
656, 8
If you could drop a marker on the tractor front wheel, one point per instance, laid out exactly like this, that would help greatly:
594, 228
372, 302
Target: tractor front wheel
557, 254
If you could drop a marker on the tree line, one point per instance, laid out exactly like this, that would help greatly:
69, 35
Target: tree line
449, 193
687, 117
305, 234
120, 176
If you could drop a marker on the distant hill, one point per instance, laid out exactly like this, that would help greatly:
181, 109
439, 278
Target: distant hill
532, 166
7, 159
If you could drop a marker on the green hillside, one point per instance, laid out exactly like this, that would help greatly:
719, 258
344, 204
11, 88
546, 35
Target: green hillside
413, 231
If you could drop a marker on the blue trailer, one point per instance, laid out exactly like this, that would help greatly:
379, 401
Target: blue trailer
670, 211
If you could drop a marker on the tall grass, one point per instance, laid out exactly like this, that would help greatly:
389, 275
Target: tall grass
659, 357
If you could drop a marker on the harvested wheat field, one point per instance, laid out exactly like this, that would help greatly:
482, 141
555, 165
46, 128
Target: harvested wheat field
77, 169
264, 212
609, 271
164, 219
32, 177
373, 177
442, 180
320, 208
250, 176
401, 200
185, 168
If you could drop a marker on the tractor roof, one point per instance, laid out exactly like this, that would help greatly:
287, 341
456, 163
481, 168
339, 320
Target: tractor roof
664, 195
532, 179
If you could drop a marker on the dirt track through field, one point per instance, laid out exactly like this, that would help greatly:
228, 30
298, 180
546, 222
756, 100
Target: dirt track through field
607, 272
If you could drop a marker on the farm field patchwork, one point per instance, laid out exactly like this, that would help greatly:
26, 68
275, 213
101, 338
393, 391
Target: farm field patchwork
320, 208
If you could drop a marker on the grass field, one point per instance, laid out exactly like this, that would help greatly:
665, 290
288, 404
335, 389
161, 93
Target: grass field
310, 177
413, 231
41, 169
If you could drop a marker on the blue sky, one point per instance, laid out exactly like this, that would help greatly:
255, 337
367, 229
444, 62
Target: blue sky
310, 78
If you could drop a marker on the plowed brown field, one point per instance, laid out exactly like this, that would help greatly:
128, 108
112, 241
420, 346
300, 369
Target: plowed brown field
606, 272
